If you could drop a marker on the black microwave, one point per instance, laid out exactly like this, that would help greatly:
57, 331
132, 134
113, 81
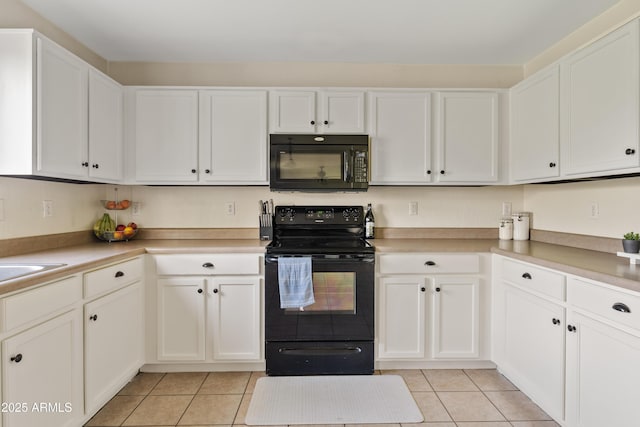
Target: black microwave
319, 162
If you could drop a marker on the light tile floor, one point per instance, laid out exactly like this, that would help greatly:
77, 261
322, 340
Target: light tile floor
447, 398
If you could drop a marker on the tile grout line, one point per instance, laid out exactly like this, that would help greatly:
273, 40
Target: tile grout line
139, 403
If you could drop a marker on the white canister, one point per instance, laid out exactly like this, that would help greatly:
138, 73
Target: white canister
521, 226
505, 230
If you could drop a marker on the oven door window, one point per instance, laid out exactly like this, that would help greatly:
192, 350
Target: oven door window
335, 293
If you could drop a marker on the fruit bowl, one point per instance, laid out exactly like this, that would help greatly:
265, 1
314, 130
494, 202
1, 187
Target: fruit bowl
115, 236
112, 205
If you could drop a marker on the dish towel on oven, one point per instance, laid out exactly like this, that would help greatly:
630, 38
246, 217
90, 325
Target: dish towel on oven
295, 282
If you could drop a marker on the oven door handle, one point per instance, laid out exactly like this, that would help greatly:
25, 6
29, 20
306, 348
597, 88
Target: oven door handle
273, 259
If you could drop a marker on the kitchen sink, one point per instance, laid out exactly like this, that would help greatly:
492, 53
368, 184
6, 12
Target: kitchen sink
12, 270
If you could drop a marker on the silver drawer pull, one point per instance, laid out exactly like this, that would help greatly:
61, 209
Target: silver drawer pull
208, 265
621, 307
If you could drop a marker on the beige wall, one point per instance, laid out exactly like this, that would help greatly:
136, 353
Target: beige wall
315, 74
567, 207
437, 206
74, 207
620, 14
15, 14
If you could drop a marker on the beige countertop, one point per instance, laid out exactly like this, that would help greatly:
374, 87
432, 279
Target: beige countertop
600, 266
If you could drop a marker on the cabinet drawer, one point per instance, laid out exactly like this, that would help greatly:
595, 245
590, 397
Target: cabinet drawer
427, 263
113, 277
618, 306
200, 264
535, 278
30, 305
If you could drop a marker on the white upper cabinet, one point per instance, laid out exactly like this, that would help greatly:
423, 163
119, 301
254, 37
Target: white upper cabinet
233, 136
599, 105
400, 130
535, 127
184, 136
166, 136
60, 118
310, 111
467, 129
105, 128
62, 97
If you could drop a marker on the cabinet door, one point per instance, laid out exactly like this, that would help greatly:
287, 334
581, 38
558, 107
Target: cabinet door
341, 112
234, 310
181, 318
105, 128
400, 129
43, 366
401, 317
600, 112
233, 137
62, 105
467, 132
533, 340
455, 318
535, 127
602, 374
113, 344
166, 136
293, 112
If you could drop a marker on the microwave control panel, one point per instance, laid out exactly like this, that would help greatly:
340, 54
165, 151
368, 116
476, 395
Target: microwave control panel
360, 167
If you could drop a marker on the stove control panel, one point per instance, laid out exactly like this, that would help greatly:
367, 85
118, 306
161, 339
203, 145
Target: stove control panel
319, 215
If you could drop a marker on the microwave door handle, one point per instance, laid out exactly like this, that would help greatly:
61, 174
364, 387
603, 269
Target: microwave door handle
346, 166
347, 171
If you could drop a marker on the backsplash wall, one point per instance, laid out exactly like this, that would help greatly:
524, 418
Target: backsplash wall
568, 207
437, 207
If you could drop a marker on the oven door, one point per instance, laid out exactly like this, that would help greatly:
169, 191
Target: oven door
333, 336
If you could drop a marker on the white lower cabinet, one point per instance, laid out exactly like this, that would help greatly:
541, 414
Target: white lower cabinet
209, 308
577, 359
533, 353
455, 317
434, 317
42, 374
181, 318
226, 311
401, 317
234, 317
603, 350
113, 330
603, 374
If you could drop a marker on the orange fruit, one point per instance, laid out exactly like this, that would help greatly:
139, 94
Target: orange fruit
129, 231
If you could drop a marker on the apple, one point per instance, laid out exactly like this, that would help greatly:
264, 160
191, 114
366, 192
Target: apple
133, 225
120, 227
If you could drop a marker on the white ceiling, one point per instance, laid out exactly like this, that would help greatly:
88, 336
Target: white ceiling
364, 31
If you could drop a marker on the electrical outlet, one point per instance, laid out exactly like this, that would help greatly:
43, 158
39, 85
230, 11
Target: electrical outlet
506, 209
230, 208
135, 208
595, 210
413, 208
47, 208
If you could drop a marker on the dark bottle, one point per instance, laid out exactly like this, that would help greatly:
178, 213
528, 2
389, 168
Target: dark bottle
369, 223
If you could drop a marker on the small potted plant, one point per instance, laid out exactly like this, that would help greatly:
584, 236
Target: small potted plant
631, 242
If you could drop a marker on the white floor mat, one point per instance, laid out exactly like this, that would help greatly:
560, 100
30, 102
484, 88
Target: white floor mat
344, 399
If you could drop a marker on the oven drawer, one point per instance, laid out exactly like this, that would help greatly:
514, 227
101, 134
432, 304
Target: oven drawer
207, 264
617, 306
428, 263
537, 279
